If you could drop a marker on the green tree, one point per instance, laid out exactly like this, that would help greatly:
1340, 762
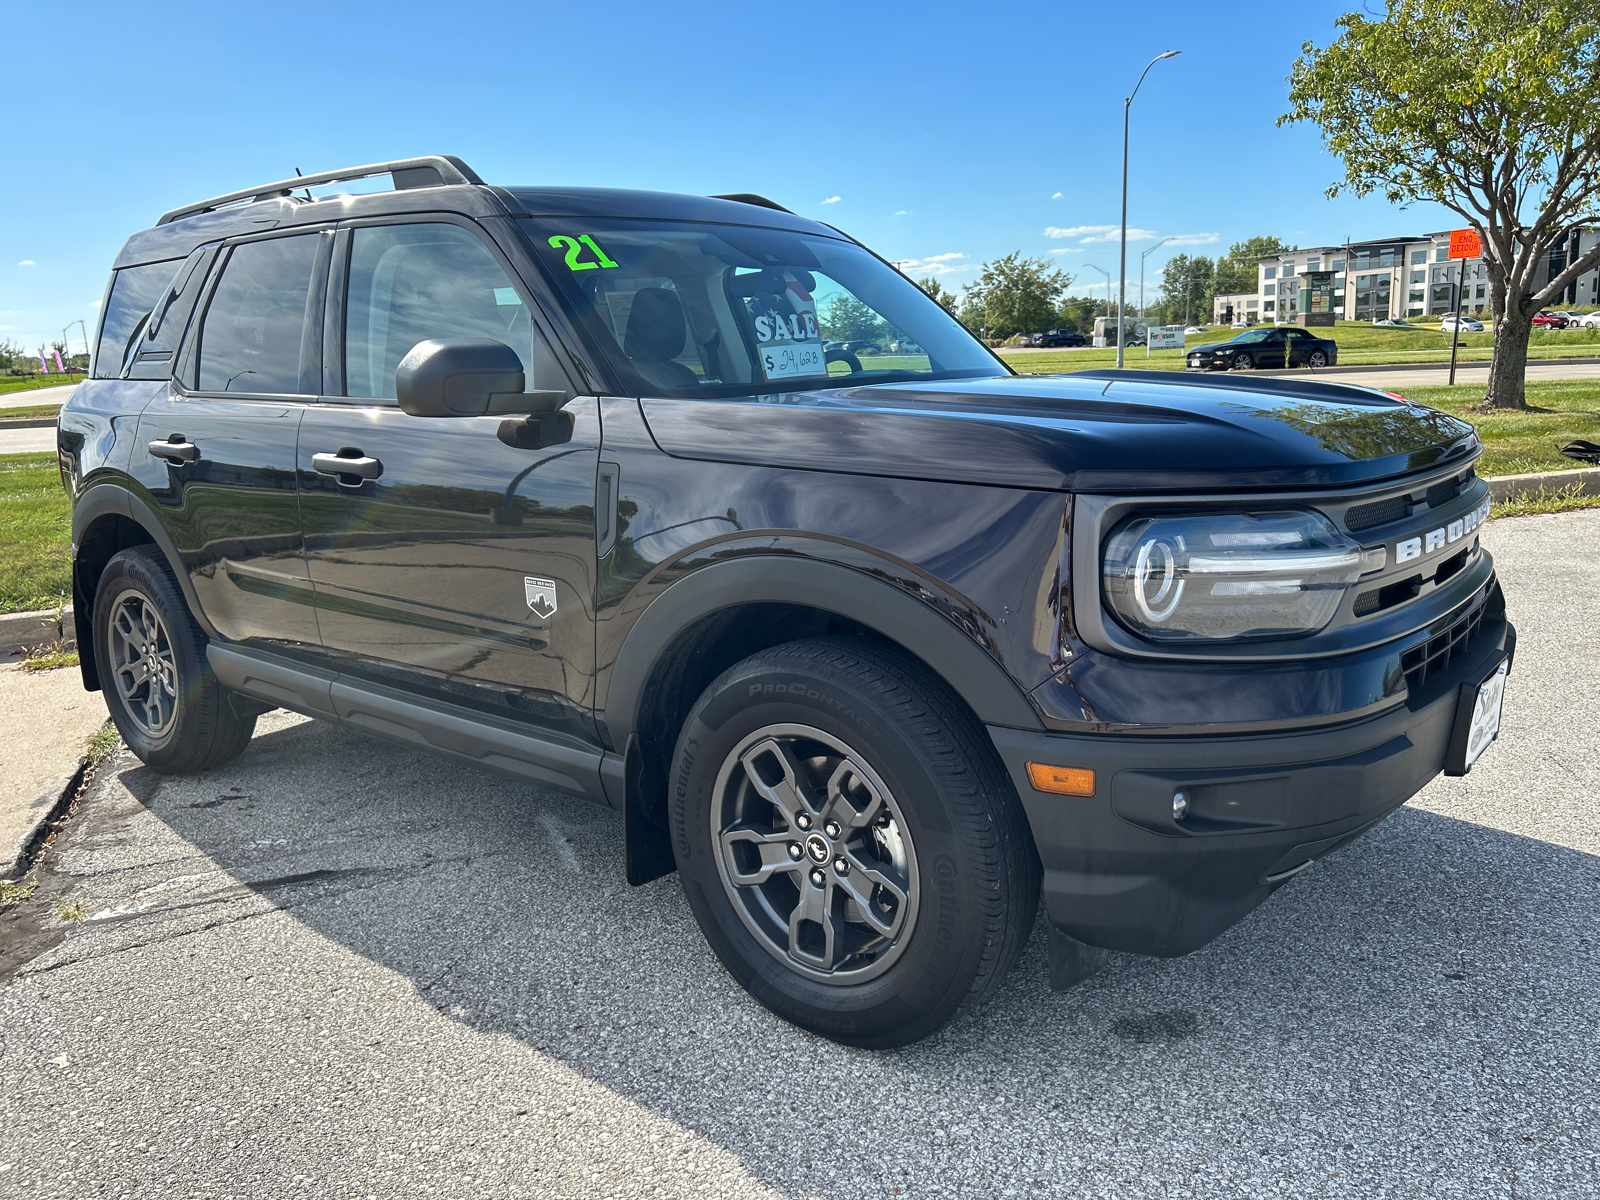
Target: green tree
1236, 271
1483, 106
847, 319
1015, 294
947, 299
1079, 312
1188, 285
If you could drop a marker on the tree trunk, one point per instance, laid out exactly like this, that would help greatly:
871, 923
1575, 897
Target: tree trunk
1508, 370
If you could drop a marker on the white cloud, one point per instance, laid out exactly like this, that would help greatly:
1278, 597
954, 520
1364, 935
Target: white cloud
1098, 233
1193, 239
94, 304
1067, 250
902, 212
832, 200
27, 262
936, 264
1057, 196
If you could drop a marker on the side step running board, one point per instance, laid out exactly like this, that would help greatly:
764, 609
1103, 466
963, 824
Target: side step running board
458, 733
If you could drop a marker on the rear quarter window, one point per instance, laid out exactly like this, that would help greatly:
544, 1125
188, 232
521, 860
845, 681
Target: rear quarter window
133, 291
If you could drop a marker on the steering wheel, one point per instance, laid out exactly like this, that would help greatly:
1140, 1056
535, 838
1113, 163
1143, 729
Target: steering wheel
844, 356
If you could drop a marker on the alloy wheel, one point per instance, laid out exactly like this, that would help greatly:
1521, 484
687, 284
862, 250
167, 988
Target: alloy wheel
1317, 359
1242, 363
814, 853
143, 665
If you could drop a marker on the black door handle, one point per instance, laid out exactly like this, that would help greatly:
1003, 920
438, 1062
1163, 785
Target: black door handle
349, 465
176, 449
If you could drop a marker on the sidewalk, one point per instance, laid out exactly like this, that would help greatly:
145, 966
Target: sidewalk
46, 720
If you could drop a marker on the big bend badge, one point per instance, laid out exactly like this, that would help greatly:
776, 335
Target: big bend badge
541, 596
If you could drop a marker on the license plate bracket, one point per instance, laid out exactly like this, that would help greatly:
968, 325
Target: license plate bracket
1477, 723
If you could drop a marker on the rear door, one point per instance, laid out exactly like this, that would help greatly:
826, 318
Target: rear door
463, 568
217, 452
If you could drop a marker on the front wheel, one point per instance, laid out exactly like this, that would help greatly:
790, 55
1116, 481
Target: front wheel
849, 843
166, 701
1243, 362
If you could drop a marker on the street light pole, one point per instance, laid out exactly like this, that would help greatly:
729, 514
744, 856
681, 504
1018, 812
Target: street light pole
1107, 274
1122, 291
1144, 255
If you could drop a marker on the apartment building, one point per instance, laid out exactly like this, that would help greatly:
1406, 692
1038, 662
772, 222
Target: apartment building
1240, 306
1403, 277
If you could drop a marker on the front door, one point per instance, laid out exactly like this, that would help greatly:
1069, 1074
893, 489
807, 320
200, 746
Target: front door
463, 567
217, 453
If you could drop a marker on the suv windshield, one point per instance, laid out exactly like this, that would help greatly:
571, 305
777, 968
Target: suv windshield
697, 309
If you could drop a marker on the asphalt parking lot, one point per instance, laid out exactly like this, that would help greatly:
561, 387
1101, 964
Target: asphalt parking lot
338, 968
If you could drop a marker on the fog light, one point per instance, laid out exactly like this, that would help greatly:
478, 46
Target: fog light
1180, 805
1062, 781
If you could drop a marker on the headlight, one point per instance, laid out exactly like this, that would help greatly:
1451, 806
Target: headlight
1228, 576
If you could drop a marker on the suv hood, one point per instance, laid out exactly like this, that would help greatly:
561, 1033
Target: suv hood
1100, 431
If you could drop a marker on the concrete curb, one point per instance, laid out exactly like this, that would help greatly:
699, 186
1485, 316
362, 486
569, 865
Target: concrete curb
1506, 487
59, 797
30, 423
19, 631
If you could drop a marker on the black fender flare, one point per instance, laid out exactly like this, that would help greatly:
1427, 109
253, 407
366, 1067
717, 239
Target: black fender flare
114, 499
969, 670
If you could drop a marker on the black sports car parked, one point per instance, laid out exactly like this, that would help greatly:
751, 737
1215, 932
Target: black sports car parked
1285, 346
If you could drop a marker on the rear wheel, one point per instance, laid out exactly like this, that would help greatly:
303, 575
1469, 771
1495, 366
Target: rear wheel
1316, 360
851, 847
166, 701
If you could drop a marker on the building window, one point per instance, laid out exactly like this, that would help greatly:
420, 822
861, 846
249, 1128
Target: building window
1386, 258
1266, 306
1269, 272
1415, 296
1419, 277
1313, 264
1480, 291
1418, 256
1288, 268
1269, 289
1441, 254
1338, 264
1443, 293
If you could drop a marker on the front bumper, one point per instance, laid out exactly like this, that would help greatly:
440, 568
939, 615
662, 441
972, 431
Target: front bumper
1121, 874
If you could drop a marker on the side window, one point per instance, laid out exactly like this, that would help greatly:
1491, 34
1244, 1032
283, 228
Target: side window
409, 283
155, 347
133, 291
250, 337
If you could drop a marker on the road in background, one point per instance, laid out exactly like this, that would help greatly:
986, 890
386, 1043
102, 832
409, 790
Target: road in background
37, 440
338, 967
32, 397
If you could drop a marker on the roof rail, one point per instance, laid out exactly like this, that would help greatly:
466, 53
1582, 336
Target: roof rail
432, 170
752, 198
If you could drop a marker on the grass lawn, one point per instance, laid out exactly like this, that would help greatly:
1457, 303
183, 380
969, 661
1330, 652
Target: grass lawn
31, 412
25, 383
1360, 344
35, 534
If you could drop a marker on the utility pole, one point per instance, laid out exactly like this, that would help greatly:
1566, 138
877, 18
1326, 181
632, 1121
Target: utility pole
1122, 292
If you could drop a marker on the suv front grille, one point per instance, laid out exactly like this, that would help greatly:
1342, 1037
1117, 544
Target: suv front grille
1443, 493
1437, 652
1379, 512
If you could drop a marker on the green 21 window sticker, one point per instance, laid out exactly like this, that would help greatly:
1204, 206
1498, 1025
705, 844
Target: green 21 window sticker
575, 248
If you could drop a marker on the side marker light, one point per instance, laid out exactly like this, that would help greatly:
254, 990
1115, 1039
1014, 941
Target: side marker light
1062, 781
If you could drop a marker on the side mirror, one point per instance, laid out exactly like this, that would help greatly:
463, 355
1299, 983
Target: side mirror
467, 377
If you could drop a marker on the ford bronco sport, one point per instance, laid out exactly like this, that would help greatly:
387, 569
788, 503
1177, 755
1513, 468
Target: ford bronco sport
870, 646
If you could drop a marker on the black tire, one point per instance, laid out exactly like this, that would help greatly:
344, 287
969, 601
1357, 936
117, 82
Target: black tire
1243, 362
1316, 360
965, 854
165, 699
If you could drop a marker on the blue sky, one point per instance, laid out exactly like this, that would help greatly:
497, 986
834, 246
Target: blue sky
936, 132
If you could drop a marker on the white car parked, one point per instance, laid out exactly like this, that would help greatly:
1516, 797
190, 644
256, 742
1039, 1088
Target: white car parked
1468, 324
1590, 321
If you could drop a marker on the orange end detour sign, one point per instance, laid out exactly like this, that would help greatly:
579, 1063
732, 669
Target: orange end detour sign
1464, 243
